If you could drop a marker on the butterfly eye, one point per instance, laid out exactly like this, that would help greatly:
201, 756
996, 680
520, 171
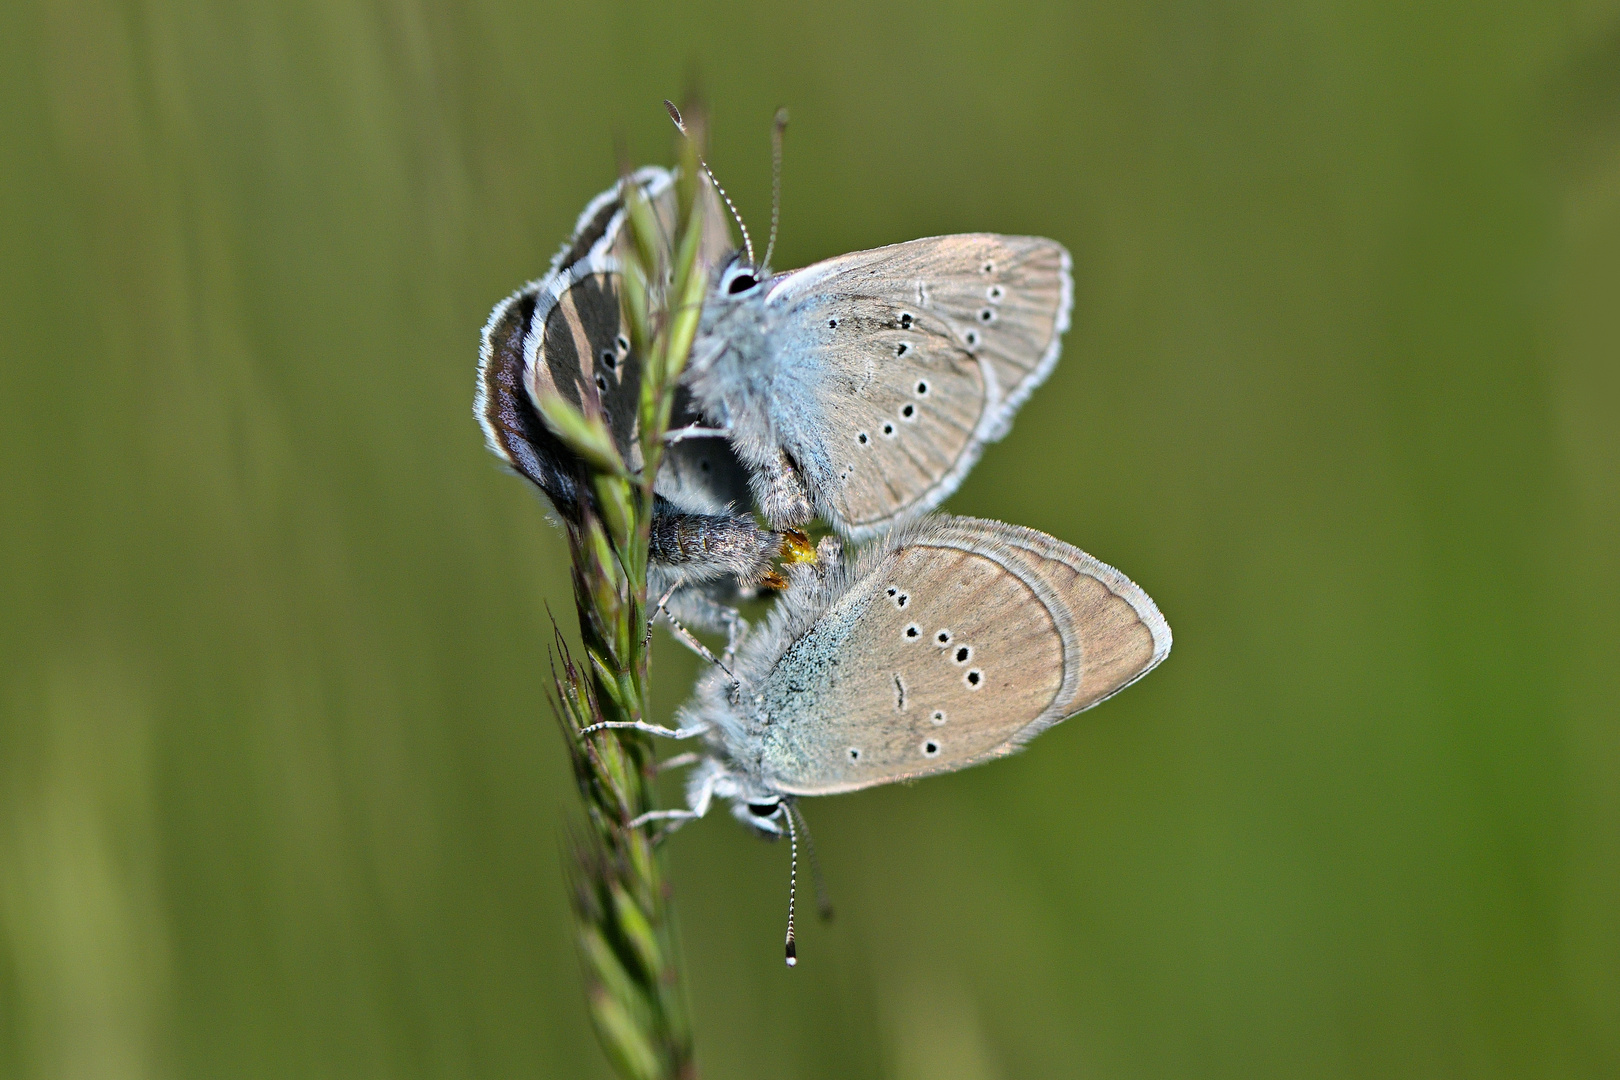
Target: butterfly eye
739, 279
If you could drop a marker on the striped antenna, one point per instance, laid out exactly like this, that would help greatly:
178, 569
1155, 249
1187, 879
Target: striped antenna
777, 128
793, 881
680, 125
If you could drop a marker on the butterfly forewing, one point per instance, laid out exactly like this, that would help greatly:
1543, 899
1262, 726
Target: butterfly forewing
940, 673
904, 402
1110, 624
957, 646
972, 320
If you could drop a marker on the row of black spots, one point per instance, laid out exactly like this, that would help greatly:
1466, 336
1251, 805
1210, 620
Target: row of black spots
961, 656
929, 749
610, 359
888, 430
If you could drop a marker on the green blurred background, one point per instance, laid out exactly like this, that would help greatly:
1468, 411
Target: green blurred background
279, 792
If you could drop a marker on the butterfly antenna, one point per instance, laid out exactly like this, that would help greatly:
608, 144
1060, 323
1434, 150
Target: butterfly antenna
680, 125
777, 128
824, 906
793, 881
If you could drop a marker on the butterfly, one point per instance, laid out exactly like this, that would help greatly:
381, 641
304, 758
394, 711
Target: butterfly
864, 388
564, 334
951, 642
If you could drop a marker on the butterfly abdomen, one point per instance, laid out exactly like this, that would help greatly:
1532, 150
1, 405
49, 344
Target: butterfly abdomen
705, 546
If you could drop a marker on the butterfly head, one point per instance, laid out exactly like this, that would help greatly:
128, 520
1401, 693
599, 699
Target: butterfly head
740, 279
731, 312
763, 813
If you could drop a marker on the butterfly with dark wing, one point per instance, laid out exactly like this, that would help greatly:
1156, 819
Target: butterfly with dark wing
564, 334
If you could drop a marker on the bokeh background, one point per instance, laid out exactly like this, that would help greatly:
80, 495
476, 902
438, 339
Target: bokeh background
279, 793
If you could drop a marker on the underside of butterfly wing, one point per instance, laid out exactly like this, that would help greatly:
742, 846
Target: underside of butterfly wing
953, 644
974, 319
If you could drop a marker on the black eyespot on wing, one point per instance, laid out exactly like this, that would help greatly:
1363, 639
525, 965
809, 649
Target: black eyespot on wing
922, 388
890, 591
913, 631
901, 600
972, 338
902, 348
854, 754
888, 429
963, 654
930, 748
862, 438
905, 320
908, 411
610, 359
943, 637
989, 267
986, 315
974, 678
938, 717
832, 324
601, 383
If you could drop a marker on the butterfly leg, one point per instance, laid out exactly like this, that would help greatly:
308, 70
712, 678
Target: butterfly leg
699, 805
736, 630
781, 494
660, 609
694, 431
651, 729
679, 761
697, 646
